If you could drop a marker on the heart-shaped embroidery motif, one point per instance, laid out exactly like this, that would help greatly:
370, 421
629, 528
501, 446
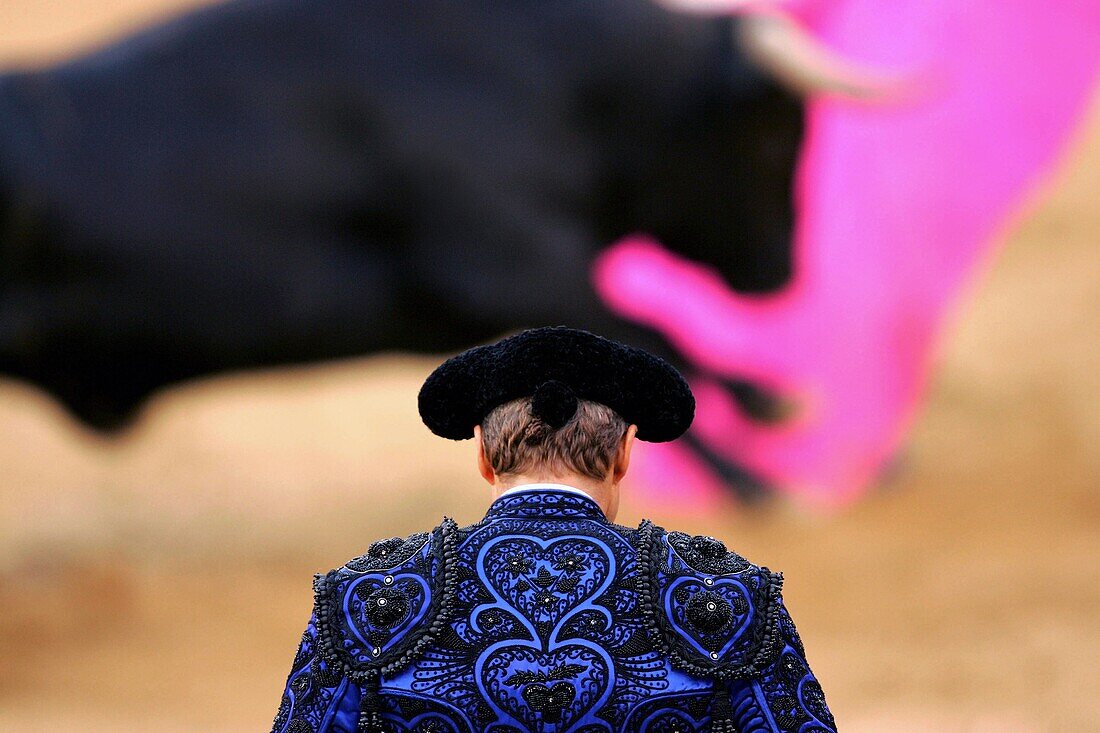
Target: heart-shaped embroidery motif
546, 580
557, 688
376, 608
712, 617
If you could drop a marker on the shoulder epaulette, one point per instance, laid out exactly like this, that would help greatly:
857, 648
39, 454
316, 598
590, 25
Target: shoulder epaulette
712, 612
378, 611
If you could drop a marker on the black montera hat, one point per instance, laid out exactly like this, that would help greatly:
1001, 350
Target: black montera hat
555, 366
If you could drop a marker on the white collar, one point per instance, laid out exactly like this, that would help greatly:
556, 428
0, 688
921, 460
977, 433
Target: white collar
543, 487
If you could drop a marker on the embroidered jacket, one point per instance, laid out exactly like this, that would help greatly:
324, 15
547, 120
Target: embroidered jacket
545, 617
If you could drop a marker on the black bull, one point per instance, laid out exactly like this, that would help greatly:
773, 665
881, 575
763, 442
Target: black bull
275, 181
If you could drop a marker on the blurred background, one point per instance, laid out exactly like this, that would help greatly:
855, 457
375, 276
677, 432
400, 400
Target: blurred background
157, 577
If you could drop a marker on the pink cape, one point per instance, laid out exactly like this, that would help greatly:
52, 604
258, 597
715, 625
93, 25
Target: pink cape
898, 206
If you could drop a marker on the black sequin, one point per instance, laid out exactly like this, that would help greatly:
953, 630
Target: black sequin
549, 700
385, 607
709, 612
388, 553
707, 554
814, 698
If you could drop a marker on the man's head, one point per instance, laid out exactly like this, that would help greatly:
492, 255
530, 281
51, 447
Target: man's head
590, 451
557, 405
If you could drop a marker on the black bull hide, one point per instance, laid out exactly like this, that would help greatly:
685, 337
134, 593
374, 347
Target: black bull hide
272, 181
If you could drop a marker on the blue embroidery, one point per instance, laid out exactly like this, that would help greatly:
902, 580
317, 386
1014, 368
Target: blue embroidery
544, 617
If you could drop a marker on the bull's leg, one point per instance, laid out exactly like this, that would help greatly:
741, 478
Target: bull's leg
746, 486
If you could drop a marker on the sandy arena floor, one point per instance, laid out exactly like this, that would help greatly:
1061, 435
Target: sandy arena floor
160, 581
